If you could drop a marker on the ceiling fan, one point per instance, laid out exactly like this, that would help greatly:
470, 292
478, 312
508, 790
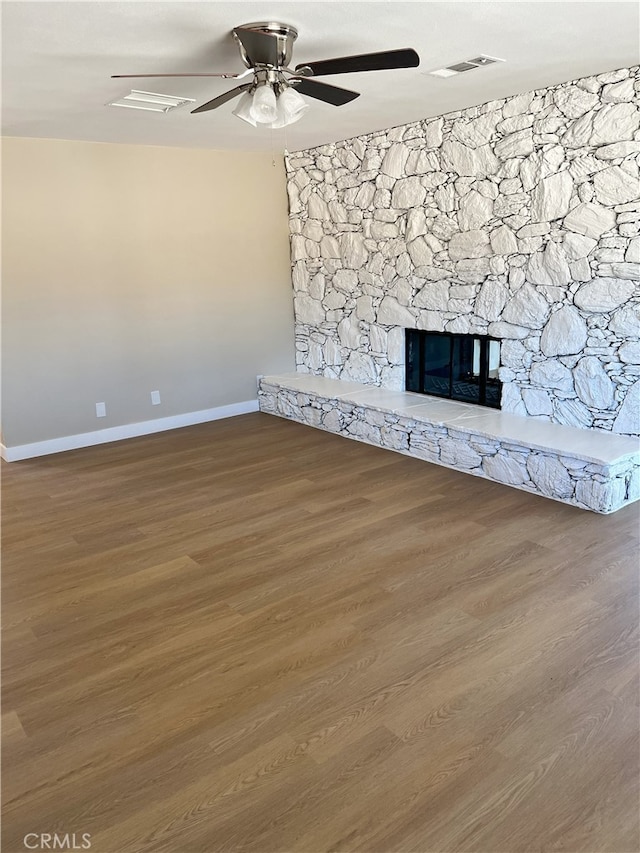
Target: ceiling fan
272, 95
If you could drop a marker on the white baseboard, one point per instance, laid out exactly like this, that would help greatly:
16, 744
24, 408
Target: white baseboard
117, 433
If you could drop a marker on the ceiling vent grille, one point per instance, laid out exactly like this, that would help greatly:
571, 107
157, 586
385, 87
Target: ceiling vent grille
467, 65
151, 101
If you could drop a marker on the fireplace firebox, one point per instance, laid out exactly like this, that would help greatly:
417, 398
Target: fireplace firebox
459, 367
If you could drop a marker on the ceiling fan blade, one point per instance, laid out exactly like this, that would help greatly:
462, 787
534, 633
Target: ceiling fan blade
222, 99
387, 59
259, 47
324, 92
227, 76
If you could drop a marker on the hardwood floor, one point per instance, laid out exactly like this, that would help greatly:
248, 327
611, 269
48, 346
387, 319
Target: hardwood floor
250, 635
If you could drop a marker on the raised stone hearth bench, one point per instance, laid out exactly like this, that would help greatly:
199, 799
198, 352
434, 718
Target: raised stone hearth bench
590, 469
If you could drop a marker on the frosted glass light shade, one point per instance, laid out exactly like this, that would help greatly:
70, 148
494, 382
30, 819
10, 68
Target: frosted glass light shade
264, 109
291, 107
243, 110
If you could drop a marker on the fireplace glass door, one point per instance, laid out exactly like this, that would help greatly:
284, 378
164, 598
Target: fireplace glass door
460, 367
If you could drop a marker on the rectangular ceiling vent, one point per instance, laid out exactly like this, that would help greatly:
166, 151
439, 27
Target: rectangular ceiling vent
151, 101
468, 65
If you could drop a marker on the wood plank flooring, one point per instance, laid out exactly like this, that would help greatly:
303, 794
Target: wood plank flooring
250, 635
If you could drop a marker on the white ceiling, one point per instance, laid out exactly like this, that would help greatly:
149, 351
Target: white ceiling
57, 59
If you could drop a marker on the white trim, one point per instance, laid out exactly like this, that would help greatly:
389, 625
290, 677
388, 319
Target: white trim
117, 433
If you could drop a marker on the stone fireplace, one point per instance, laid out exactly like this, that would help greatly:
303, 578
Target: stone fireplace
516, 220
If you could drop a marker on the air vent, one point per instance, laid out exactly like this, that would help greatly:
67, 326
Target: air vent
151, 101
468, 65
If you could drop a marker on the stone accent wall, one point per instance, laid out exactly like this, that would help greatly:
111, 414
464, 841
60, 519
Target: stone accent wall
519, 218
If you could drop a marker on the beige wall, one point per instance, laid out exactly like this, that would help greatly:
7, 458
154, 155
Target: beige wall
128, 269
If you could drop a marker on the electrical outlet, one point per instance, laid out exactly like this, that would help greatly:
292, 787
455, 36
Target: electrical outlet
155, 398
101, 410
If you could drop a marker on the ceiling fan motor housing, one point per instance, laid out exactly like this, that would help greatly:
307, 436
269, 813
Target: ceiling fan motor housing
275, 51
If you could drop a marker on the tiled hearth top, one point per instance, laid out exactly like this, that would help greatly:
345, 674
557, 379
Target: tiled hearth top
592, 445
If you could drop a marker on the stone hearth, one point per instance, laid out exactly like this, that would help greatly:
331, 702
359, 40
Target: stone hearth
590, 470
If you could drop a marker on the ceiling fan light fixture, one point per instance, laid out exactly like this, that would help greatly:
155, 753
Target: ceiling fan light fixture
264, 109
243, 109
291, 107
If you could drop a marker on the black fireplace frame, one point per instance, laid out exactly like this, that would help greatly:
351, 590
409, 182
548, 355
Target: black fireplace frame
489, 389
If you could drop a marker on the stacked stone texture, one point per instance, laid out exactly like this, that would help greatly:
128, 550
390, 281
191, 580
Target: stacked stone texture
572, 479
518, 219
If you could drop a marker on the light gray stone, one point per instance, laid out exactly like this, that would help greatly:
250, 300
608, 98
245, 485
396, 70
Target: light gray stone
626, 322
458, 454
527, 308
394, 160
469, 244
345, 280
503, 241
475, 211
551, 373
491, 300
537, 401
377, 340
574, 102
589, 219
416, 224
501, 329
408, 192
513, 354
349, 333
578, 134
615, 123
445, 198
504, 469
475, 162
617, 150
360, 367
395, 346
603, 294
550, 476
434, 296
364, 309
511, 399
580, 270
477, 132
584, 165
473, 271
332, 353
549, 267
565, 333
433, 133
517, 105
317, 207
628, 419
420, 252
623, 269
630, 352
573, 413
615, 186
308, 310
578, 246
592, 383
391, 313
632, 255
600, 497
352, 250
517, 144
550, 198
329, 247
619, 92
